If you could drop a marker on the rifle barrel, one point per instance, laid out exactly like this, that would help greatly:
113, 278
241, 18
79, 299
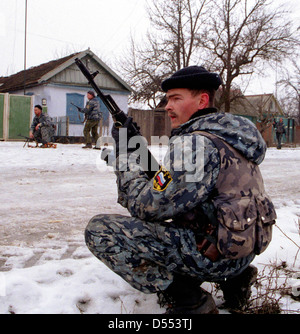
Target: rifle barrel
118, 115
107, 100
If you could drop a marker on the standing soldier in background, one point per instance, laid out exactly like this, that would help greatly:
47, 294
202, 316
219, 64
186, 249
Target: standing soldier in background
41, 130
280, 131
93, 116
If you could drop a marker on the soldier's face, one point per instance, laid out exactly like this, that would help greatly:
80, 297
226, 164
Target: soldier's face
182, 105
37, 111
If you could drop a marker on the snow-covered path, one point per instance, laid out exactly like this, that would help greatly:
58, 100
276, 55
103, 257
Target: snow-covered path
47, 198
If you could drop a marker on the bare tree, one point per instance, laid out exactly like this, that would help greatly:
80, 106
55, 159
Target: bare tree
143, 72
178, 24
291, 85
265, 115
170, 45
241, 35
232, 37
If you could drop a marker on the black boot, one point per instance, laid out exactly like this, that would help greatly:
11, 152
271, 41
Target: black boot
88, 145
184, 296
237, 290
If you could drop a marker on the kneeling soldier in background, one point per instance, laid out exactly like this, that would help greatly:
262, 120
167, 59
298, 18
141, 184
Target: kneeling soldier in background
41, 130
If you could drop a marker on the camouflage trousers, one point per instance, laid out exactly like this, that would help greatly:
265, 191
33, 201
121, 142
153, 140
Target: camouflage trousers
90, 126
147, 254
44, 134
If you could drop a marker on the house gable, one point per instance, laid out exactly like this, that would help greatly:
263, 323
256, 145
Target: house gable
265, 104
242, 107
71, 76
31, 77
64, 71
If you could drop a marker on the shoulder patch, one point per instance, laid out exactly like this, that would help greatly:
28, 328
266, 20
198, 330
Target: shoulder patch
162, 179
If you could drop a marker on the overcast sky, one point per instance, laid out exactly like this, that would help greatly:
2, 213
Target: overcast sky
60, 27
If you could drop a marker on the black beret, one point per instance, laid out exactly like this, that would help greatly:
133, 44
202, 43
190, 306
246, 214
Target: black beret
192, 77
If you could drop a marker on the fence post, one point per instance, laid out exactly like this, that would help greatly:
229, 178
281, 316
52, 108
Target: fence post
67, 126
6, 117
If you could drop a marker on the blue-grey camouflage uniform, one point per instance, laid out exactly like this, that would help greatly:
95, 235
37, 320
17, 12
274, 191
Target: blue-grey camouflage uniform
46, 132
92, 110
149, 246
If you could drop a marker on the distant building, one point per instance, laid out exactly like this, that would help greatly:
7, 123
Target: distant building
261, 109
58, 83
257, 106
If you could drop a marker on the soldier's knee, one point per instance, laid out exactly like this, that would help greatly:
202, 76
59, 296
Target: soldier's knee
93, 228
95, 223
104, 225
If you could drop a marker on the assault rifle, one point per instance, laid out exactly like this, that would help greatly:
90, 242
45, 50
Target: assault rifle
119, 117
79, 109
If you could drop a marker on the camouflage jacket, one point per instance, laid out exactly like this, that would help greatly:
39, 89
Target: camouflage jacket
92, 110
174, 190
210, 176
243, 212
280, 128
44, 120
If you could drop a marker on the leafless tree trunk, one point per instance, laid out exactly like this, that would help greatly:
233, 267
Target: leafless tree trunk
291, 85
266, 117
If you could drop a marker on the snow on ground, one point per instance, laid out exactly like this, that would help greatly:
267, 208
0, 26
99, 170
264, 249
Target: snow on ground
46, 200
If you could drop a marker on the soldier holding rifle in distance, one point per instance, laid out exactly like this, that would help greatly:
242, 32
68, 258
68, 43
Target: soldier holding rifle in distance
93, 116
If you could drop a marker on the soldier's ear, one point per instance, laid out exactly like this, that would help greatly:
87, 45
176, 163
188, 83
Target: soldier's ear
203, 101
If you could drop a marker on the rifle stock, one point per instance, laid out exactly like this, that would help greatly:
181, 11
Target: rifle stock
119, 117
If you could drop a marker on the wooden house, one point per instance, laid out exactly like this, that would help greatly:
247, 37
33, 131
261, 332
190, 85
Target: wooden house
58, 83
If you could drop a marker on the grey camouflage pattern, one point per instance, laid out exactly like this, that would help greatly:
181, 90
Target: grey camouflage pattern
245, 212
44, 120
147, 248
237, 131
46, 131
136, 191
92, 110
146, 254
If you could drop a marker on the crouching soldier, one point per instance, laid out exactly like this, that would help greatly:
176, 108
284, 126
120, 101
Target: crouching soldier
189, 226
41, 130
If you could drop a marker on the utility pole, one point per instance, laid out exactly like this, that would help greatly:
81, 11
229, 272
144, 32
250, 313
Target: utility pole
25, 46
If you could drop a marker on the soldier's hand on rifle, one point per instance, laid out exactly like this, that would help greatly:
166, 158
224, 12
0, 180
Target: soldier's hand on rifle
38, 126
31, 135
131, 127
121, 142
